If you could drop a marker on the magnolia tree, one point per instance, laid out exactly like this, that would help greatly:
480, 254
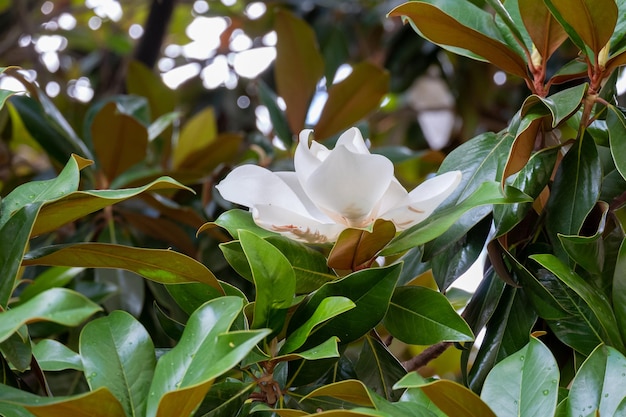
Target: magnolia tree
337, 267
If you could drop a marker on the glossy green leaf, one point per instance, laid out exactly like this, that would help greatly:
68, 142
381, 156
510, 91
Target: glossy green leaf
357, 248
616, 123
309, 264
13, 410
80, 203
59, 141
17, 349
57, 305
441, 221
598, 385
531, 180
4, 96
369, 289
560, 105
462, 25
594, 298
225, 398
161, 124
274, 280
235, 220
509, 22
351, 390
586, 251
299, 66
591, 20
352, 99
546, 33
619, 289
99, 403
327, 309
58, 276
456, 400
44, 191
571, 320
379, 369
55, 356
506, 333
14, 237
480, 160
129, 294
421, 316
117, 353
192, 295
325, 350
159, 265
119, 140
525, 383
206, 350
574, 192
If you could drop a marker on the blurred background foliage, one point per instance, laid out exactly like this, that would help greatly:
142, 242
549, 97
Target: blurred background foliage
191, 89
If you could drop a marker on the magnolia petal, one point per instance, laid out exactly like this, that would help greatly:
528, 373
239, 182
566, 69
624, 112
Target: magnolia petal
249, 185
395, 196
294, 225
308, 157
291, 179
423, 200
353, 140
348, 186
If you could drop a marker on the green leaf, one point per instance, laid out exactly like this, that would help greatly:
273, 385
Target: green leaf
206, 350
44, 191
571, 320
574, 192
58, 276
325, 350
119, 140
619, 289
587, 251
57, 305
379, 369
327, 309
99, 403
357, 248
352, 99
161, 124
524, 384
80, 203
225, 398
598, 385
274, 280
531, 180
17, 349
616, 123
369, 289
55, 356
49, 128
592, 21
14, 237
481, 160
594, 298
506, 332
351, 390
117, 353
235, 220
299, 66
456, 400
309, 264
441, 221
143, 82
159, 265
464, 27
560, 105
421, 316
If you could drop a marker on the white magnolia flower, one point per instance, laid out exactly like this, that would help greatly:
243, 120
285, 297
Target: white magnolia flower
331, 190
